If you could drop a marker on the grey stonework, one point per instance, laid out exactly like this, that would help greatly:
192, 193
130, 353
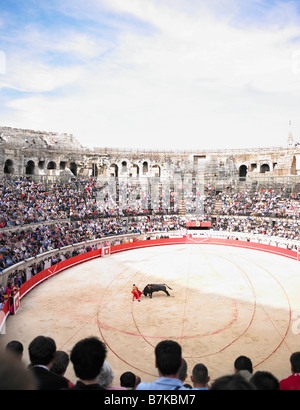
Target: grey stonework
44, 155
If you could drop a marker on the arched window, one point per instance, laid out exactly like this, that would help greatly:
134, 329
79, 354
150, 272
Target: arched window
29, 168
114, 170
8, 167
94, 170
264, 168
51, 165
41, 164
156, 171
124, 167
62, 165
136, 170
73, 168
145, 167
243, 171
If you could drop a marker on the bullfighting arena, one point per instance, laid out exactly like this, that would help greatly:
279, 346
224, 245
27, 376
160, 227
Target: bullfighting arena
224, 302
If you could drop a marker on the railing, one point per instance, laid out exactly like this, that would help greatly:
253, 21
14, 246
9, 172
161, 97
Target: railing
79, 248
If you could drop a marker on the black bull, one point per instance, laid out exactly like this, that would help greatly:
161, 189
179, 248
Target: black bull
150, 288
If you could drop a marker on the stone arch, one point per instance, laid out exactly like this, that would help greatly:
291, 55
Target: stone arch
9, 166
30, 168
74, 168
124, 167
135, 171
294, 166
264, 168
62, 165
114, 170
145, 167
41, 164
94, 170
51, 165
243, 171
155, 171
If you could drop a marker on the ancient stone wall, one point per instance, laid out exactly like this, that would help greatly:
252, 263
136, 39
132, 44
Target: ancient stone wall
53, 155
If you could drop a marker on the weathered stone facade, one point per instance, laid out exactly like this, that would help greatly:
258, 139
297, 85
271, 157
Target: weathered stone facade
52, 155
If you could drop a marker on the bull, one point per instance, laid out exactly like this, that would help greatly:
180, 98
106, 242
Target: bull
150, 288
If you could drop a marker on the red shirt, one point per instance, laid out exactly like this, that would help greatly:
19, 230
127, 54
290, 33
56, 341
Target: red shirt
291, 383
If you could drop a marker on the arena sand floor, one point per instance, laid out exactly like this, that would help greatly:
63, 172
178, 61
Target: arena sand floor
224, 302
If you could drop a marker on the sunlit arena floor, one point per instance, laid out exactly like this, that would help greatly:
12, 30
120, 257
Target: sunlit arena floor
224, 302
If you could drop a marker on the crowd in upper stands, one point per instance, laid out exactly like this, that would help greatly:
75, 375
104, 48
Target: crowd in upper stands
80, 210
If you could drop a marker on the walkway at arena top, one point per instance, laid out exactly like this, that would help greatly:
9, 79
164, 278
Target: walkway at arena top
185, 239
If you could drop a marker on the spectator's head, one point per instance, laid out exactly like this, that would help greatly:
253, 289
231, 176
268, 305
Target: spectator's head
128, 380
88, 356
295, 362
106, 375
182, 375
16, 348
41, 351
200, 375
243, 363
14, 375
168, 357
232, 382
265, 381
60, 363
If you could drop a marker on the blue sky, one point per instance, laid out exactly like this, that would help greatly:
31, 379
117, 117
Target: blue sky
155, 74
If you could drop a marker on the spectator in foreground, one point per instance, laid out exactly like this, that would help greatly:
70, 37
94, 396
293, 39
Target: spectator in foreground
16, 348
14, 375
167, 361
60, 364
263, 380
41, 354
182, 375
106, 377
128, 380
293, 381
232, 382
88, 356
243, 366
200, 377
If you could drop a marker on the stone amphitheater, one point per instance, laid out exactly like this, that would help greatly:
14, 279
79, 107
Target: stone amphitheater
51, 155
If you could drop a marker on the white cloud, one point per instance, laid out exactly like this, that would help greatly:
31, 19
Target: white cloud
193, 80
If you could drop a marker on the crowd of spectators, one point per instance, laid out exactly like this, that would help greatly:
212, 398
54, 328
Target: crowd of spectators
47, 369
264, 203
37, 217
24, 201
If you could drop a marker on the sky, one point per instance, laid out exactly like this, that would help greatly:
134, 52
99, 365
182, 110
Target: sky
153, 74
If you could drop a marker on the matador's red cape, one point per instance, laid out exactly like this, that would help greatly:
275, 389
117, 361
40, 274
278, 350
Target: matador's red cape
136, 292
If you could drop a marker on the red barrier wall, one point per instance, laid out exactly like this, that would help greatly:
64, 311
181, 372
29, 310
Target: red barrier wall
68, 263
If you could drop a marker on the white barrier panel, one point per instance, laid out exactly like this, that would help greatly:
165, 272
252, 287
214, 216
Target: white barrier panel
16, 302
105, 249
